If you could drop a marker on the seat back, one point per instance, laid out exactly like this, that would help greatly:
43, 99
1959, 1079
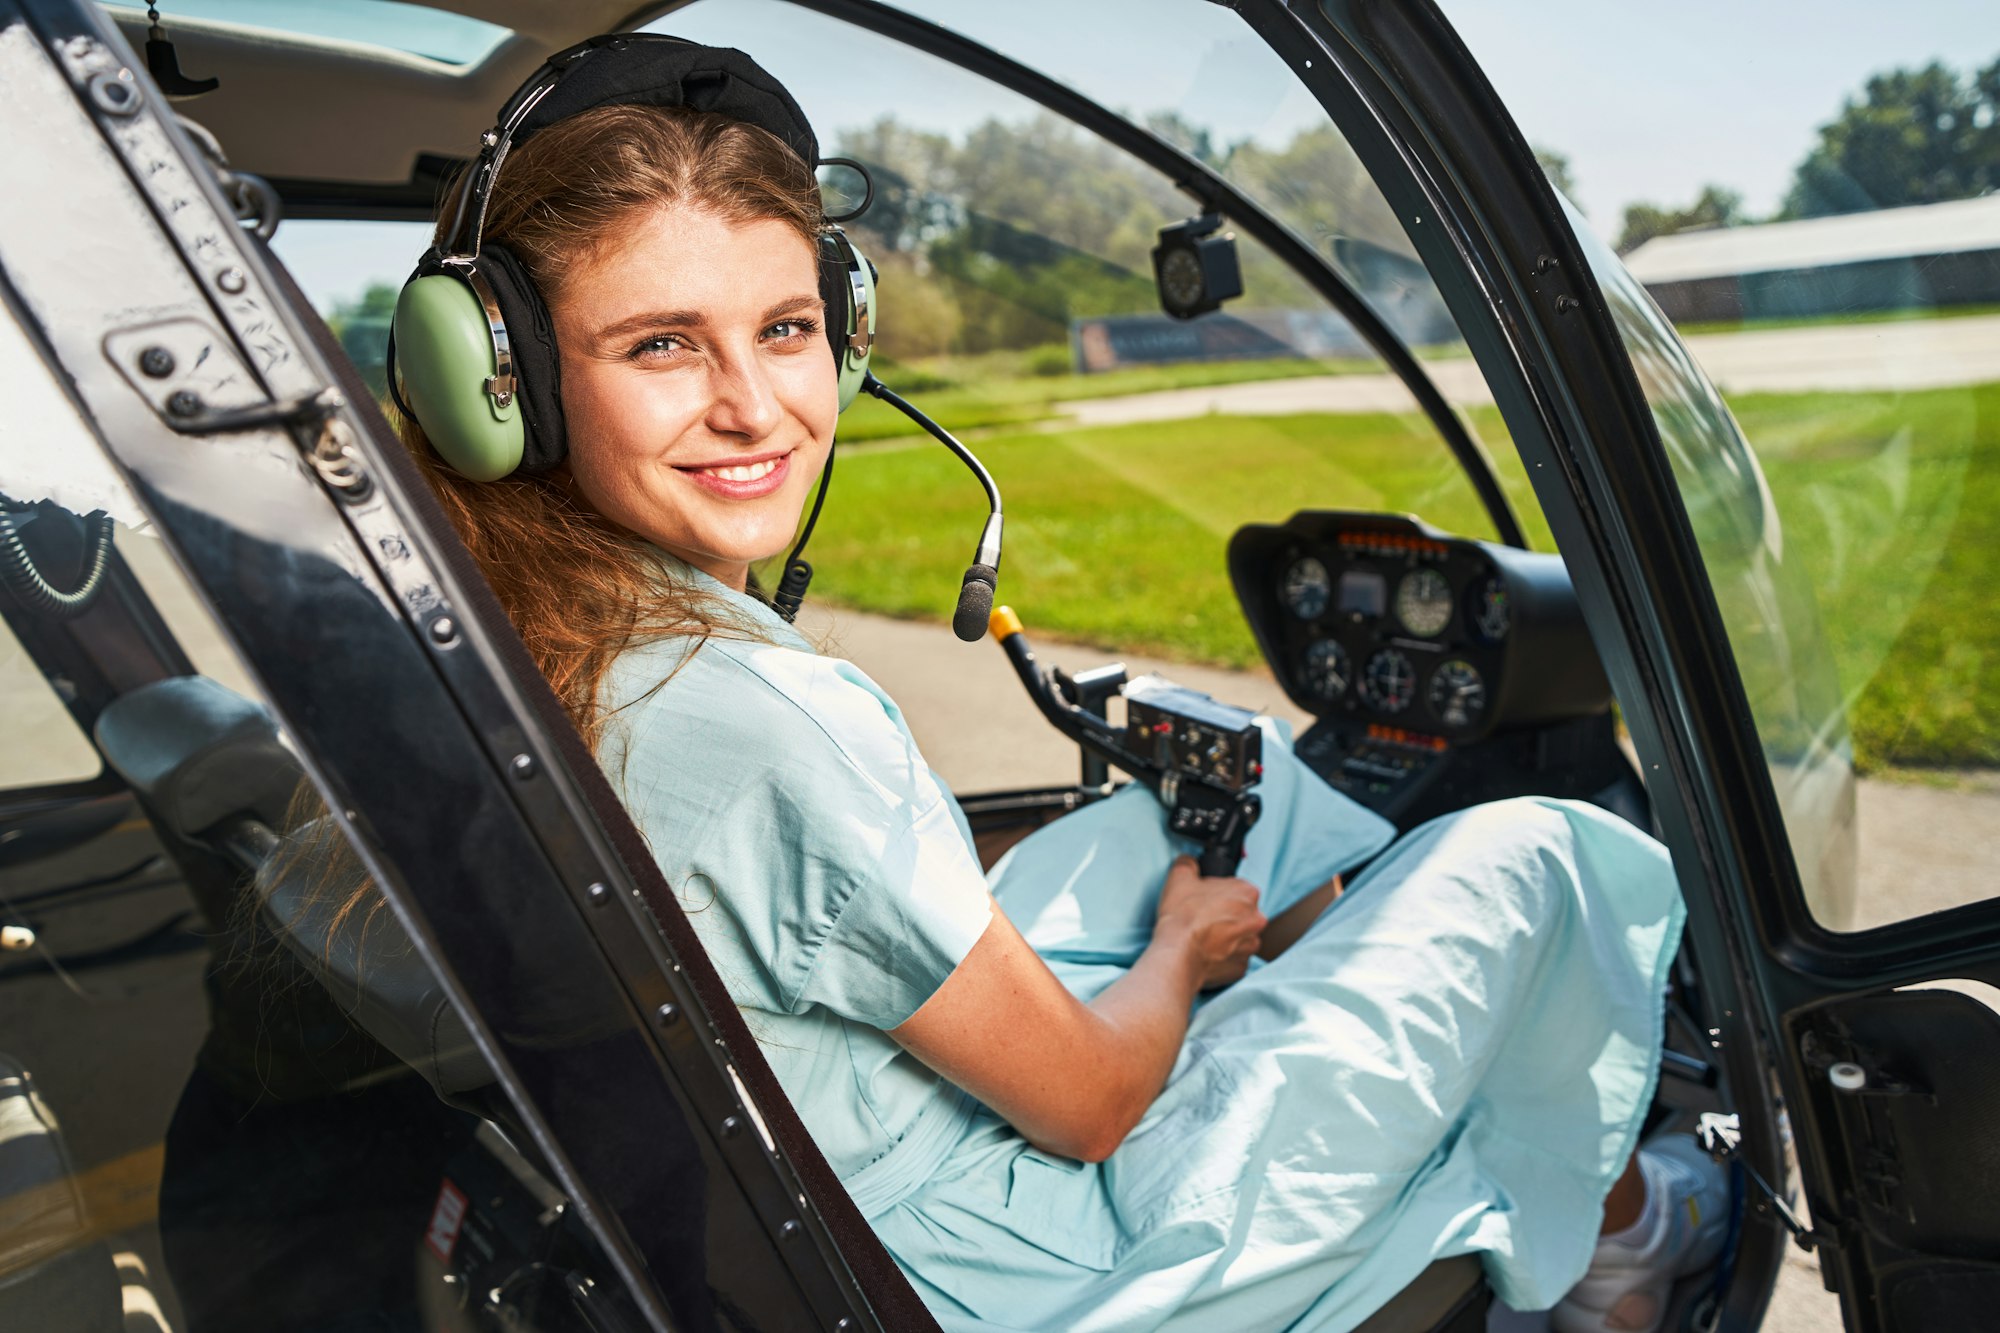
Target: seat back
208, 762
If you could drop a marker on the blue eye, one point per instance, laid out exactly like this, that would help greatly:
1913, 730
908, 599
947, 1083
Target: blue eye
791, 330
660, 344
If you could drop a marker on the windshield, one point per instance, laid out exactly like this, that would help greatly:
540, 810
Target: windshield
1195, 74
1019, 302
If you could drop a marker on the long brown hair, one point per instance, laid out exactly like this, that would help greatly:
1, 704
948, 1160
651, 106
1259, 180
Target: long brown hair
578, 587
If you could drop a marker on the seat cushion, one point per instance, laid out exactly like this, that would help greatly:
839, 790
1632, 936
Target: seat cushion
1448, 1295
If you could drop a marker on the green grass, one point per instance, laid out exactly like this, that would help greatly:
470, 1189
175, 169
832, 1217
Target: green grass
1891, 509
1889, 503
964, 394
1840, 318
1116, 535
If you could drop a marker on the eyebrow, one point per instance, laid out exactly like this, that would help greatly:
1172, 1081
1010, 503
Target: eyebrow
672, 319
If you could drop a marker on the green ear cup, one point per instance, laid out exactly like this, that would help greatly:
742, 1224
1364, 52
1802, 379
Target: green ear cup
854, 364
445, 358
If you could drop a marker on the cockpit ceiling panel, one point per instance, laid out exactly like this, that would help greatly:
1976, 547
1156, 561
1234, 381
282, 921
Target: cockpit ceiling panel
295, 106
408, 26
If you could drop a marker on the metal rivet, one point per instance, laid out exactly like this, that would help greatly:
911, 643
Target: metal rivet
731, 1126
184, 403
232, 280
489, 139
156, 363
668, 1014
791, 1231
844, 1326
599, 895
115, 93
1544, 263
523, 766
445, 630
1847, 1076
1565, 304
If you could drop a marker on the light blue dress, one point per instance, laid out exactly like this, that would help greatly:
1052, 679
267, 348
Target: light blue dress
1456, 1057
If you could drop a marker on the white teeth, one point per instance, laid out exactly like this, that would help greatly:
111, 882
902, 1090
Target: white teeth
745, 472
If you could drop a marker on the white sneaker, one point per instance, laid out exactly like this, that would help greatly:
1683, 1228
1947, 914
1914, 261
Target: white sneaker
1681, 1231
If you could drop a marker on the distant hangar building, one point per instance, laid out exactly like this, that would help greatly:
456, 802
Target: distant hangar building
1894, 259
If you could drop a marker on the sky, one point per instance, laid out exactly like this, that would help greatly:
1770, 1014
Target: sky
1649, 103
1652, 102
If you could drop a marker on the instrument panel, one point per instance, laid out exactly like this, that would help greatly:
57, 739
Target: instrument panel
1383, 622
1380, 621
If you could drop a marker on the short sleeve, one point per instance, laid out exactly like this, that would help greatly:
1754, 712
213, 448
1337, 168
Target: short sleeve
817, 855
907, 924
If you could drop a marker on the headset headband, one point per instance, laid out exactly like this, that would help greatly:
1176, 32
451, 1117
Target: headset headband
656, 70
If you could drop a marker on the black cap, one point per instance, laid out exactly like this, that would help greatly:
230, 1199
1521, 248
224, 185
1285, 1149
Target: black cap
651, 69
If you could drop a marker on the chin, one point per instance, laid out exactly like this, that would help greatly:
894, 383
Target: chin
739, 549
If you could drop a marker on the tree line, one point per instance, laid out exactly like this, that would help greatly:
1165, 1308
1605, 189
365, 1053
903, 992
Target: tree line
1000, 238
1910, 136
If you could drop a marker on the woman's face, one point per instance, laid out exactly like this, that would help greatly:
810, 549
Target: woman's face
697, 386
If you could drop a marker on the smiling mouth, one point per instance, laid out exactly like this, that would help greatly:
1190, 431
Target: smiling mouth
742, 471
748, 480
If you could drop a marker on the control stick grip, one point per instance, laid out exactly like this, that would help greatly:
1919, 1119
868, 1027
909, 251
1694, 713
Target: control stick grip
1219, 860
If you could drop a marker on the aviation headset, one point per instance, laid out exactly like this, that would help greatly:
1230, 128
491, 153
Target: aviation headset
472, 343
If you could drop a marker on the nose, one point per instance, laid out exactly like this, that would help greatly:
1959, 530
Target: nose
746, 400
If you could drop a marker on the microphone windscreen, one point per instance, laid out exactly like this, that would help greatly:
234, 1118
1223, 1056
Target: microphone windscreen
975, 603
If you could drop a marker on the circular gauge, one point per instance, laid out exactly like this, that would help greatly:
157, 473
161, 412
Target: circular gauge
1328, 669
1389, 683
1181, 281
1423, 603
1487, 608
1458, 693
1307, 589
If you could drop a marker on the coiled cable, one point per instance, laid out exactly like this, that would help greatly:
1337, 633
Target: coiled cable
19, 572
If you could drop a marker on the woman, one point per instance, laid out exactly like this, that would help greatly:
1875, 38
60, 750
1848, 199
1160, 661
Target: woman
1097, 1091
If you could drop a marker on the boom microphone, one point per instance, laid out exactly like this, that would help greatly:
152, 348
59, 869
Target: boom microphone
982, 577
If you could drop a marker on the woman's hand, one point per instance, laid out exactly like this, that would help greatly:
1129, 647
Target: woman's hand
1074, 1078
1215, 920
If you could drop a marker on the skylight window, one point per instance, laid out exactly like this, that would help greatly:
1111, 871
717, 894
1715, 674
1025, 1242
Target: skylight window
416, 30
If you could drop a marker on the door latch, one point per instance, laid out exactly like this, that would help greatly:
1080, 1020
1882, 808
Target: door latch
1721, 1137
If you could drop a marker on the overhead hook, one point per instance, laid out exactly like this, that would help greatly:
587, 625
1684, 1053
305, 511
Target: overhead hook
164, 63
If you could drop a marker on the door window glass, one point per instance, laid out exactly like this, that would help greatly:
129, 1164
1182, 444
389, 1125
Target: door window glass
206, 1095
1847, 536
44, 746
1018, 301
1822, 236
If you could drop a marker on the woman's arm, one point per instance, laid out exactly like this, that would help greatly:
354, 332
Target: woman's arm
1074, 1078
